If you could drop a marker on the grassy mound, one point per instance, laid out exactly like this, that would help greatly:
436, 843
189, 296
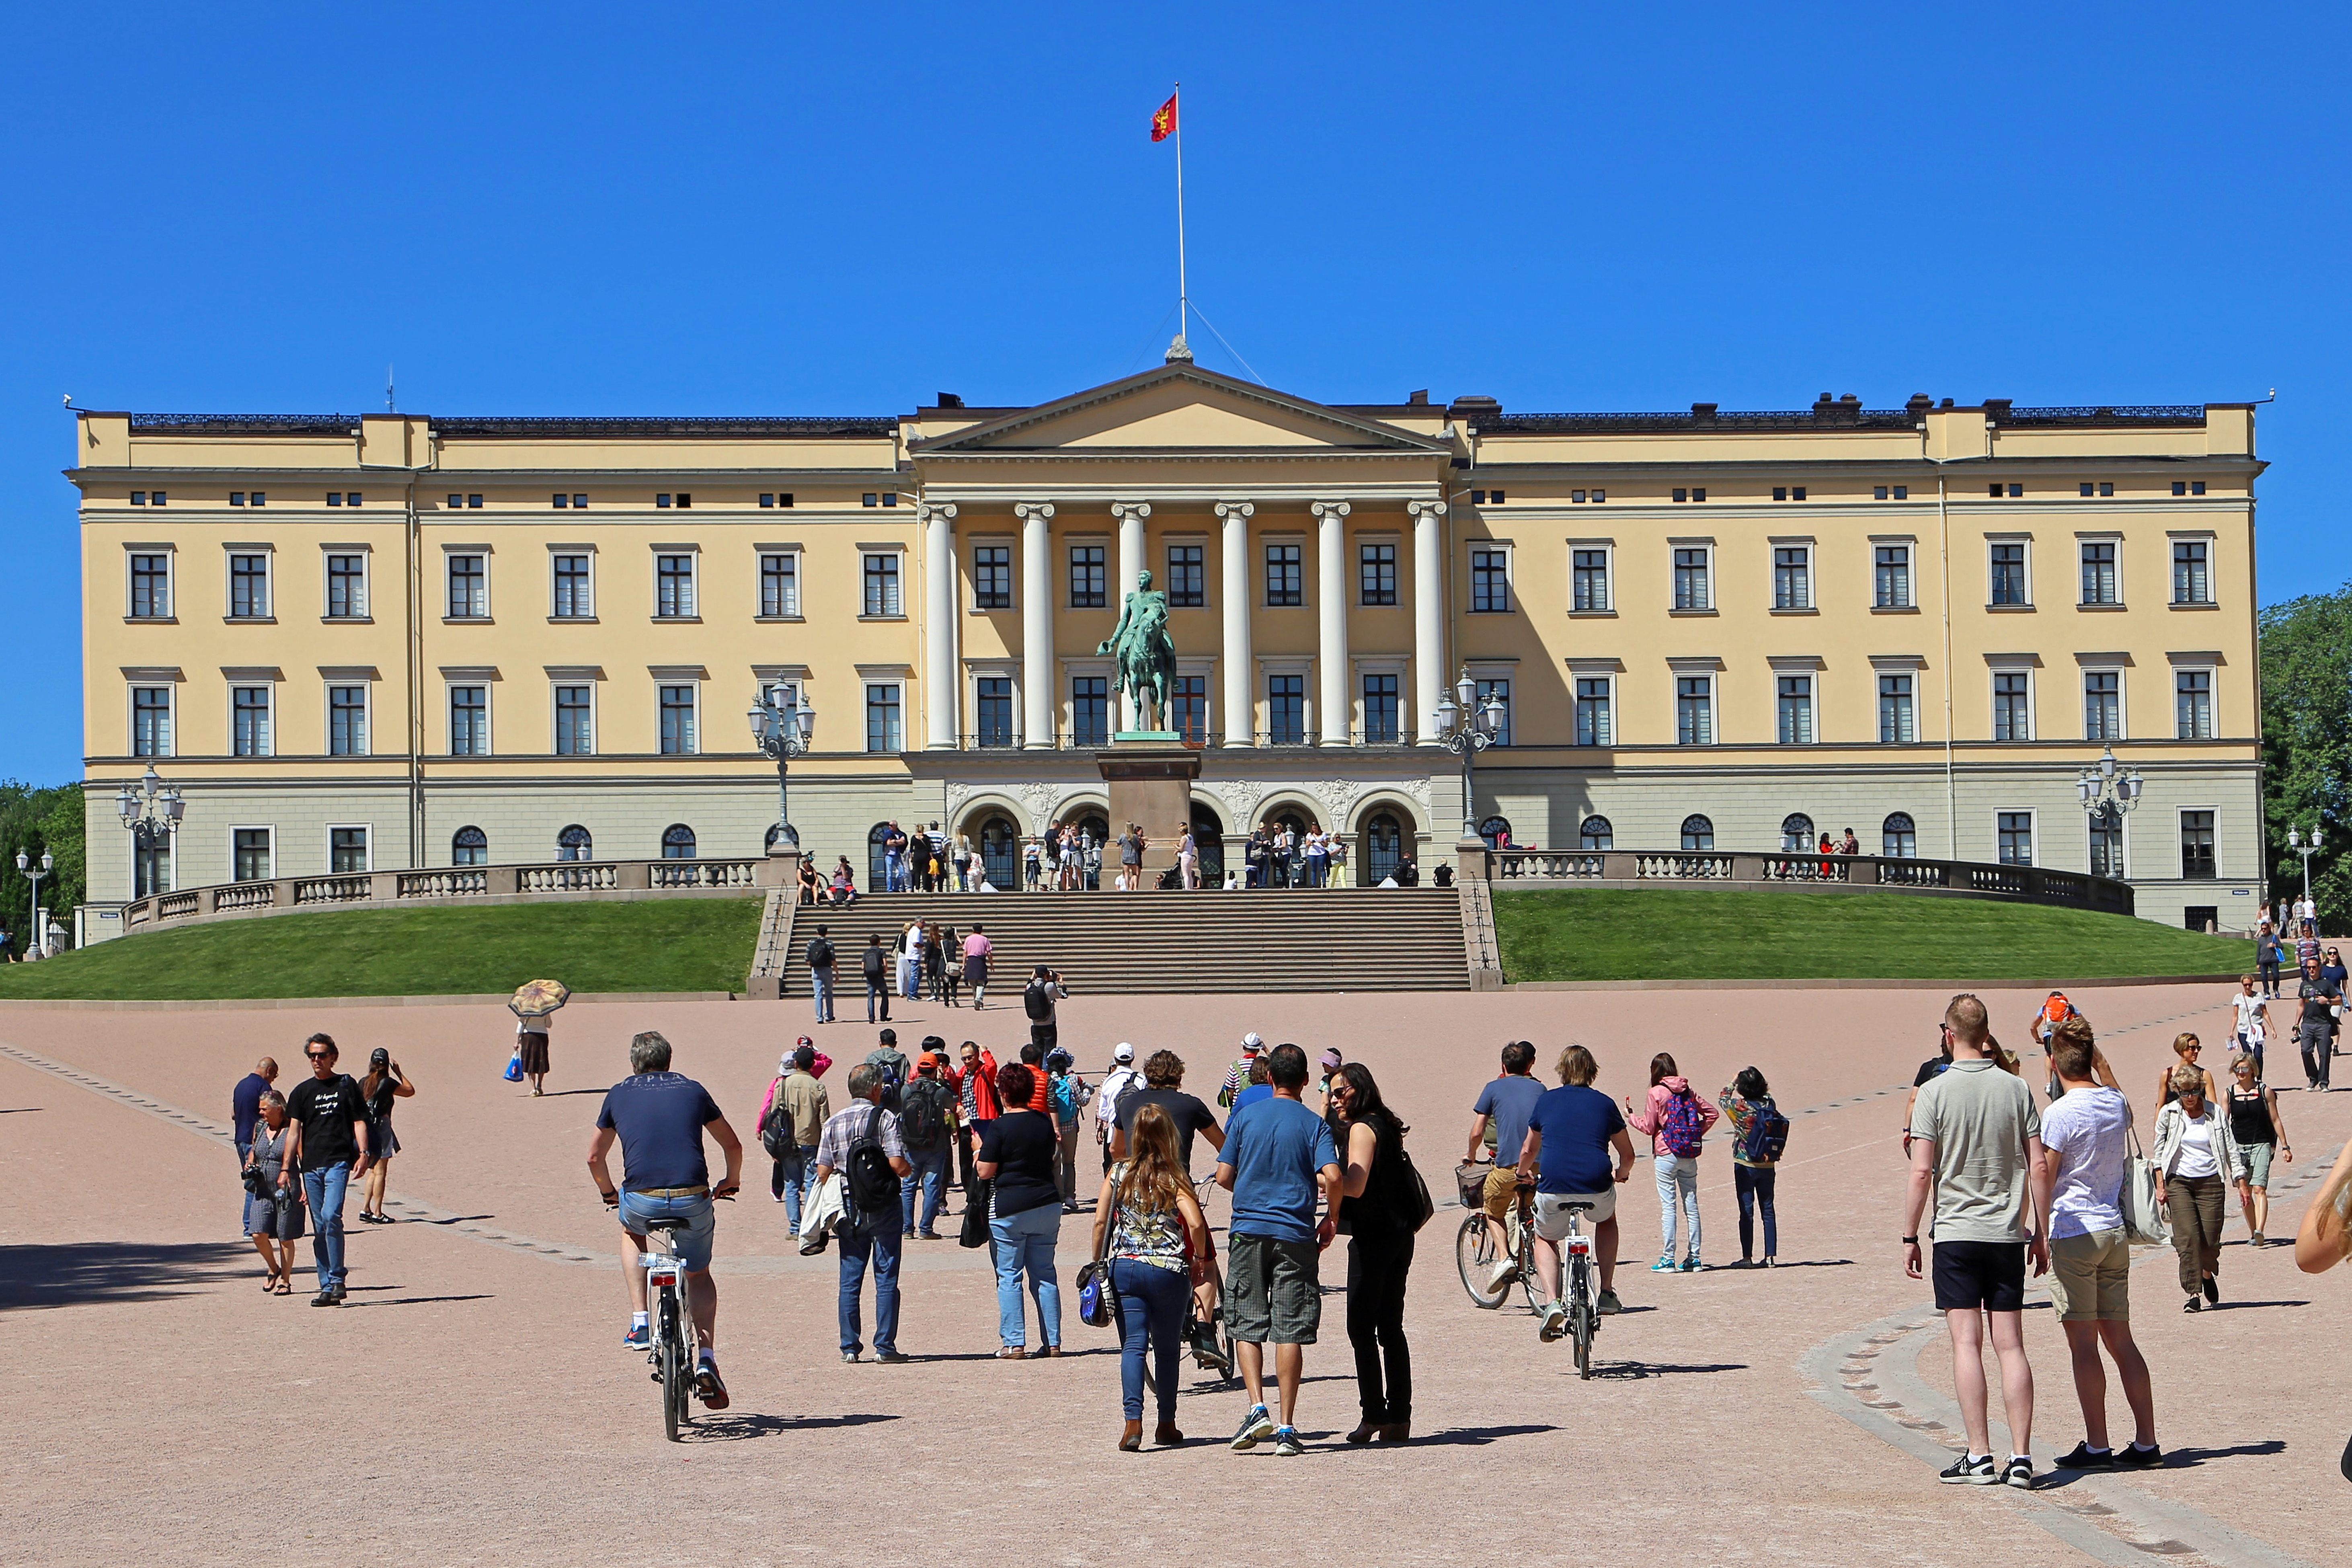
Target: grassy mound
658, 944
1641, 935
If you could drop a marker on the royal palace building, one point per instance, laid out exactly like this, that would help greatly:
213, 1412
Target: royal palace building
394, 641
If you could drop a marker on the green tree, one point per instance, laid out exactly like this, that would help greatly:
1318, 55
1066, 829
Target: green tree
35, 820
2306, 661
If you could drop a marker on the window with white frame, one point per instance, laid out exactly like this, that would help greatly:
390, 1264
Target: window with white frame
253, 855
1285, 578
884, 732
674, 586
1376, 573
575, 720
2103, 705
1285, 709
1891, 577
469, 720
151, 722
2013, 831
1593, 717
2106, 841
2197, 855
571, 576
992, 577
780, 585
1497, 690
1380, 709
347, 585
347, 851
1693, 571
1795, 713
2192, 577
2098, 561
2007, 585
991, 708
677, 715
1895, 725
1490, 580
1588, 579
248, 586
1088, 591
2192, 704
1695, 709
1792, 577
1188, 583
347, 720
1090, 710
151, 586
883, 595
469, 586
2013, 705
249, 720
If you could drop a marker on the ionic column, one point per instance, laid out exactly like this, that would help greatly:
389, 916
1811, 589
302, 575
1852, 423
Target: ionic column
1331, 651
942, 689
1239, 720
1428, 615
1129, 515
1036, 625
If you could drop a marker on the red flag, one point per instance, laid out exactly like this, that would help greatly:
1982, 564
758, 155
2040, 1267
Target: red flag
1163, 120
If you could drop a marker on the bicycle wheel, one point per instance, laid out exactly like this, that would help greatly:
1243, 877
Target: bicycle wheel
1474, 1256
673, 1371
1583, 1316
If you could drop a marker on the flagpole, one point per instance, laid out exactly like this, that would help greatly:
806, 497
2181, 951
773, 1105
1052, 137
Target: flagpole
1184, 298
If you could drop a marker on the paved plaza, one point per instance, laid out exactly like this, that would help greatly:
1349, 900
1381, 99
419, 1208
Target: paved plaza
474, 1407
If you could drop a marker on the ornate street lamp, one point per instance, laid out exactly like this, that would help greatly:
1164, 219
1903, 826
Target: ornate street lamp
781, 722
2306, 848
1465, 729
152, 813
2108, 797
33, 933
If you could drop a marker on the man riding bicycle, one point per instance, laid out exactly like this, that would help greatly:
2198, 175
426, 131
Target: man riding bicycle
660, 1117
1566, 1158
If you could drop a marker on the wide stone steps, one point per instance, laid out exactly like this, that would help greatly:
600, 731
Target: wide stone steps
1337, 939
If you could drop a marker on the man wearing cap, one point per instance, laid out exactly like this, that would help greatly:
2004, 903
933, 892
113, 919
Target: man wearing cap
796, 1106
1237, 1075
1121, 1078
926, 1111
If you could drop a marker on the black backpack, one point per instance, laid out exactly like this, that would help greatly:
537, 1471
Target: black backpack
820, 954
1037, 1001
870, 1187
923, 1115
775, 1129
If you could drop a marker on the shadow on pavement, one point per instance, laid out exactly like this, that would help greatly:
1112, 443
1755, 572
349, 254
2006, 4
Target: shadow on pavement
2239, 1306
2182, 1459
1453, 1437
21, 1109
424, 1301
737, 1428
72, 1274
1633, 1370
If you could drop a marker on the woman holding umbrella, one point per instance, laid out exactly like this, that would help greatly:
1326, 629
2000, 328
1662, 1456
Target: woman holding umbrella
534, 1007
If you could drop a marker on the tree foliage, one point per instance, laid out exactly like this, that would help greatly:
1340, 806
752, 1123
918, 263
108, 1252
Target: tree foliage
2306, 661
34, 820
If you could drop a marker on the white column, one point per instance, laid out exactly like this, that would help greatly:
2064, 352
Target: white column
1239, 720
1428, 614
941, 686
1129, 515
1331, 649
1036, 625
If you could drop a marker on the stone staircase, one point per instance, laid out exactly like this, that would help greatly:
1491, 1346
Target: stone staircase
1338, 938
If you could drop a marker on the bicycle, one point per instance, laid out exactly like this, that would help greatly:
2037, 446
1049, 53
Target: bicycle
1583, 1305
671, 1355
1475, 1254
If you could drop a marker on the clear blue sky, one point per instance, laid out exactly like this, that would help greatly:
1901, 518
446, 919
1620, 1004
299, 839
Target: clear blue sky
607, 209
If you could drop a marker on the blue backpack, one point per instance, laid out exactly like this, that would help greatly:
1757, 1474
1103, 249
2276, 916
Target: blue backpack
1768, 1134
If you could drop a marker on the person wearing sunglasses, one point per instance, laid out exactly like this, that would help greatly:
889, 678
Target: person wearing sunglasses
329, 1150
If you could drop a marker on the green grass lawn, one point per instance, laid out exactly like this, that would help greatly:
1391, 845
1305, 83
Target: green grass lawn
1640, 935
655, 944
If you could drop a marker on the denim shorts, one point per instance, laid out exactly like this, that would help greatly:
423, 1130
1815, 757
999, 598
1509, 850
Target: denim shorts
692, 1241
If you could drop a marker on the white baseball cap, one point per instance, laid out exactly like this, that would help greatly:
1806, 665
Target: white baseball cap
1250, 1042
1125, 1052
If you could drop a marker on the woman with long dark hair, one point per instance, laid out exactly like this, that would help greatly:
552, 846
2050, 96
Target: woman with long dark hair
1675, 1120
383, 1084
1379, 1212
1157, 1243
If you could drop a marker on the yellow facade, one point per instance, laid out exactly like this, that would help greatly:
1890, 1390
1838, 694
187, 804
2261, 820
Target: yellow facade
2060, 581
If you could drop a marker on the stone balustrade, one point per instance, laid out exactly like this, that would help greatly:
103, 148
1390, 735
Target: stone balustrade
1534, 869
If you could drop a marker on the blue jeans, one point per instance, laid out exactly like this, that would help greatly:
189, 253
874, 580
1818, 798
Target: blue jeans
1150, 1304
1753, 1184
1025, 1241
930, 1173
878, 993
323, 1190
1677, 1178
821, 991
797, 1177
883, 1247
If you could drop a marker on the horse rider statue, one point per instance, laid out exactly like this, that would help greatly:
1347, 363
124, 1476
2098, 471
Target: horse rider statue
1146, 655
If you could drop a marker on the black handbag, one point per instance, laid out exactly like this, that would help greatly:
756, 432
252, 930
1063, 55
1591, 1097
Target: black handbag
975, 1216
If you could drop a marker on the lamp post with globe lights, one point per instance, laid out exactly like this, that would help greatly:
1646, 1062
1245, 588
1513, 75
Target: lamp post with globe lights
1466, 727
151, 815
34, 935
2307, 848
781, 721
2109, 795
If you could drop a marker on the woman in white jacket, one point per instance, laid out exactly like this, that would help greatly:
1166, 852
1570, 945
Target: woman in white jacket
2194, 1157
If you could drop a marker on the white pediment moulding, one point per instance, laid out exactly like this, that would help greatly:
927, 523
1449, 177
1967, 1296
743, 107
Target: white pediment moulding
1175, 406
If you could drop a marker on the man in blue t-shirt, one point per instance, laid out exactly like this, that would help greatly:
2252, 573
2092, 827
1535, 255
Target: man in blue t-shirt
1570, 1137
660, 1117
1504, 1106
1276, 1154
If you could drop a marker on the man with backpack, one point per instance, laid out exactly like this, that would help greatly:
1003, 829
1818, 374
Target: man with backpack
1065, 1092
875, 964
1237, 1077
1037, 1001
819, 965
864, 1144
926, 1108
896, 1069
790, 1125
1120, 1078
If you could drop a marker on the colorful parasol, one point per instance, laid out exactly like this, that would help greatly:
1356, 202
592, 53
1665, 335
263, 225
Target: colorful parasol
538, 998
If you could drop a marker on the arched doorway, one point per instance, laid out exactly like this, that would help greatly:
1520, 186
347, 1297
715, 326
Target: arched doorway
1091, 822
1796, 832
1209, 843
1281, 870
878, 866
1000, 853
1382, 842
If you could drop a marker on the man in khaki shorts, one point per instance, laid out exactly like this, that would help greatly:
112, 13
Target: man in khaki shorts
1504, 1105
2084, 1138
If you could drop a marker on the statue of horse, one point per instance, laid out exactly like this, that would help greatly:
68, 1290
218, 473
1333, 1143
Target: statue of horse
1146, 655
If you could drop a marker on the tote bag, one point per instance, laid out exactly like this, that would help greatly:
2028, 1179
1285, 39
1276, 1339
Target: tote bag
2145, 1222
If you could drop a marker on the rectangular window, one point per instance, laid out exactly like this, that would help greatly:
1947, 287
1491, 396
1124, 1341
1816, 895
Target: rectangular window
1796, 710
1089, 711
1087, 589
2103, 705
1285, 709
1376, 573
469, 720
2012, 491
2015, 831
347, 850
674, 588
2012, 708
2008, 585
779, 584
678, 736
248, 587
1589, 579
150, 720
347, 726
2192, 704
1187, 579
1592, 712
992, 709
1894, 722
347, 587
2192, 583
2107, 843
1792, 578
1691, 589
1891, 577
2197, 862
575, 720
1497, 690
469, 587
1695, 709
1282, 576
251, 860
249, 721
1490, 582
783, 499
1188, 708
1379, 710
883, 732
151, 587
992, 577
2099, 573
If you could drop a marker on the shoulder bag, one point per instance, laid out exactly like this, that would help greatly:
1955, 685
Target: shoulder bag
2145, 1222
1094, 1276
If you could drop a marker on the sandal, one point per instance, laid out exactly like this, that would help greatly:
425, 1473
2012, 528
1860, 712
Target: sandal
285, 1286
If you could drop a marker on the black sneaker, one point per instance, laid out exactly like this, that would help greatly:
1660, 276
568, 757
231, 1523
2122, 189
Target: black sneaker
2132, 1457
2019, 1472
1255, 1425
2192, 1305
2080, 1457
707, 1386
323, 1299
1964, 1471
889, 1358
2212, 1289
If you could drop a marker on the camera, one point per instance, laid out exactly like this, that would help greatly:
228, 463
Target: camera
259, 1182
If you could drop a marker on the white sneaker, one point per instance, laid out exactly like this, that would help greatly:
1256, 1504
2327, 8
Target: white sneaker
1505, 1272
1555, 1322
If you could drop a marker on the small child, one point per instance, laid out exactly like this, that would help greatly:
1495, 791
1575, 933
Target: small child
1752, 1180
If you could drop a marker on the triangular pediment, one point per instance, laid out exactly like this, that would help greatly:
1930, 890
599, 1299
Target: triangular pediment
1177, 407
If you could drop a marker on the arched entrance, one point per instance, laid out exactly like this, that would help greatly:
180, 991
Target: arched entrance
1209, 842
1000, 852
1382, 842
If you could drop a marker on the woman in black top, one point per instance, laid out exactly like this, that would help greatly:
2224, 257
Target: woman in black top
1377, 1212
383, 1084
2257, 1131
1016, 1155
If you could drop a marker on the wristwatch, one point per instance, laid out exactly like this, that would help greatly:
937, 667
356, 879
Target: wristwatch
1910, 1241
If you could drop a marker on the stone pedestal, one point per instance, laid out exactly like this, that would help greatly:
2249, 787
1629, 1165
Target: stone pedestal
1150, 777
